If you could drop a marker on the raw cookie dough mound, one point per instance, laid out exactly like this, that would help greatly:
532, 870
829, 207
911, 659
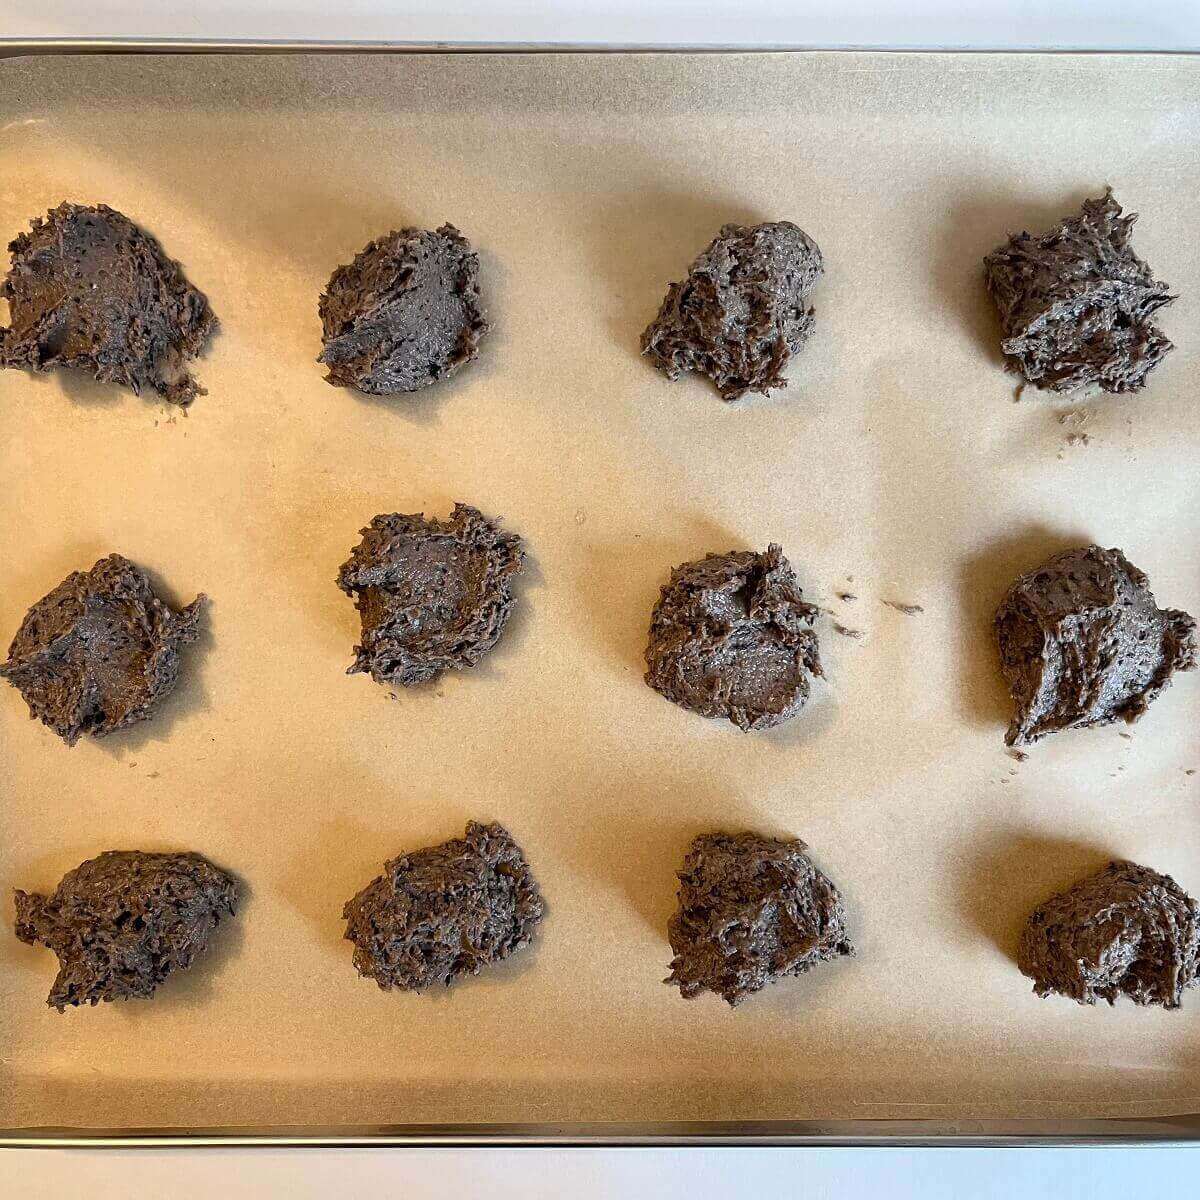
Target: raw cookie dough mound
404, 314
1126, 930
122, 922
432, 595
731, 637
89, 289
743, 310
100, 651
444, 911
1076, 303
751, 910
1083, 643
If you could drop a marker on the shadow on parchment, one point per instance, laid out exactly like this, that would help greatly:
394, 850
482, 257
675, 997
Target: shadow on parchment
1007, 875
973, 227
639, 242
652, 816
984, 578
625, 580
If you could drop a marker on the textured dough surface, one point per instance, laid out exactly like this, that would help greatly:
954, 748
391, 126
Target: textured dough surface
751, 910
1076, 303
742, 312
1082, 642
432, 595
1125, 931
122, 922
100, 651
444, 911
404, 314
731, 637
88, 289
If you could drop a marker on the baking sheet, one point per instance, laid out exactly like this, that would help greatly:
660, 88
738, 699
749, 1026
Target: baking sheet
896, 457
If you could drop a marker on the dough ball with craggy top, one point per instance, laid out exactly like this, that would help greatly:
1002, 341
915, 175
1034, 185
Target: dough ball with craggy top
404, 314
89, 289
751, 910
444, 911
1076, 303
100, 651
742, 312
1126, 931
1082, 642
432, 595
122, 922
731, 637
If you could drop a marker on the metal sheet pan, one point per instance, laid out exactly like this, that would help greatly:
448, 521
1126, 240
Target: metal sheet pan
967, 1129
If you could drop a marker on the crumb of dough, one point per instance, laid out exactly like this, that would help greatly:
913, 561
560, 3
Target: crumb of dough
909, 610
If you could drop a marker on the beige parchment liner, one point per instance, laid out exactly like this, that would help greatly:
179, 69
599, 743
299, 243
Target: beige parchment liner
897, 456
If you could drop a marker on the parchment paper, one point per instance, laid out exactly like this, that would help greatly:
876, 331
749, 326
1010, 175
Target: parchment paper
897, 457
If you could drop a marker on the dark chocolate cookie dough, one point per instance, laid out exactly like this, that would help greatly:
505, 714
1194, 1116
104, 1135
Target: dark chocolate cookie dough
751, 910
122, 922
432, 595
743, 310
1126, 930
731, 637
89, 289
444, 911
100, 651
404, 314
1076, 303
1082, 642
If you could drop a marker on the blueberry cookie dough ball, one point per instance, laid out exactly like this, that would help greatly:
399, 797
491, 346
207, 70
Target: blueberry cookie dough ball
100, 651
731, 637
1082, 643
89, 289
432, 595
444, 911
1126, 930
751, 910
404, 314
122, 922
743, 310
1076, 303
